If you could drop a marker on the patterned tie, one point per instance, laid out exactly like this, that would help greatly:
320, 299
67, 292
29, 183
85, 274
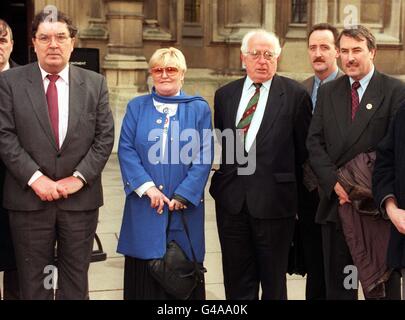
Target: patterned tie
355, 98
247, 116
52, 99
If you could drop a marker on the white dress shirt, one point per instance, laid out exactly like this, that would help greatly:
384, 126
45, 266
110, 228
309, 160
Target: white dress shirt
247, 93
62, 86
363, 83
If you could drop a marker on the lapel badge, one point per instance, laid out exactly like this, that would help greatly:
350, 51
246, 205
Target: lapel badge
369, 106
159, 121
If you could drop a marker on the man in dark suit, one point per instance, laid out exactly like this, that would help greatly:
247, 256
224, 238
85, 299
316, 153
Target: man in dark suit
256, 202
388, 189
351, 116
56, 134
323, 54
7, 258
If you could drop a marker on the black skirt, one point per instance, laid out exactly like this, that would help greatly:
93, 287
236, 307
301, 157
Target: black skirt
140, 285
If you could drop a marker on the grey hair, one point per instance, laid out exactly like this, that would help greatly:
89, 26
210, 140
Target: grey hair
270, 36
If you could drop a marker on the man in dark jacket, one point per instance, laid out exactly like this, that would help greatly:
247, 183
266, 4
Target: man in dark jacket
7, 259
389, 188
351, 116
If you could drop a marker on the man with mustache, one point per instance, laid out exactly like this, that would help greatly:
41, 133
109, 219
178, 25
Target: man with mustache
7, 259
351, 116
323, 54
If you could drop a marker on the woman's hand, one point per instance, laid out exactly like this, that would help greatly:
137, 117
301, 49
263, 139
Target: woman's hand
157, 199
176, 205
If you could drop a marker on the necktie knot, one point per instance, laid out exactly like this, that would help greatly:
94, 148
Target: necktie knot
257, 86
53, 77
355, 85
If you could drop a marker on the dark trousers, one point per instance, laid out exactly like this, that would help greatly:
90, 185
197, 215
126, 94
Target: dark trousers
337, 256
254, 253
35, 234
311, 238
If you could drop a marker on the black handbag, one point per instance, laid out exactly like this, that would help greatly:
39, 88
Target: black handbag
177, 275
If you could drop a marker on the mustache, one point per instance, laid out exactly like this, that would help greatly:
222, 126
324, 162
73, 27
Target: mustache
351, 63
319, 60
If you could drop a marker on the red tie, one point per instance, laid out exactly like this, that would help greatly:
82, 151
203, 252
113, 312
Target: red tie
355, 98
52, 99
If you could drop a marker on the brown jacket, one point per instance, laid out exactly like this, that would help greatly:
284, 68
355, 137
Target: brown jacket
366, 233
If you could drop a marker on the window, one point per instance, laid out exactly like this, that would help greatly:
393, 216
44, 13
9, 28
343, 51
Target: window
299, 11
192, 11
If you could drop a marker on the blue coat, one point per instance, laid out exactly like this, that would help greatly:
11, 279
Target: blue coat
143, 230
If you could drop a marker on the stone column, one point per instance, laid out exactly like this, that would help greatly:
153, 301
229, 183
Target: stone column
319, 11
125, 65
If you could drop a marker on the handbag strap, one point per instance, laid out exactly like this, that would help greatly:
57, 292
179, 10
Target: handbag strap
183, 219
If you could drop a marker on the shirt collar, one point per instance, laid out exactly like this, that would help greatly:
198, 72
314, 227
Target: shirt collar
159, 104
331, 77
64, 74
249, 83
365, 80
6, 67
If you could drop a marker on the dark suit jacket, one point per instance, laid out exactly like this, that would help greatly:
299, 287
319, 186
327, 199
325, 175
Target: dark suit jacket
389, 179
271, 191
333, 139
7, 258
309, 82
27, 143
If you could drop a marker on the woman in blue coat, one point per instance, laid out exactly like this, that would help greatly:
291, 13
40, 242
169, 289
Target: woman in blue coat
165, 153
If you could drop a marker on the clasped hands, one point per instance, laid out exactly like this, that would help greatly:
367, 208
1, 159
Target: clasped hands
48, 190
158, 200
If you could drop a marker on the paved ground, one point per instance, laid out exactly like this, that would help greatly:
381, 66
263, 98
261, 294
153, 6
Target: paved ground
106, 278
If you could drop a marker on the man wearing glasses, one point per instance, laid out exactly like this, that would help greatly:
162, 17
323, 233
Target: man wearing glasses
56, 134
269, 115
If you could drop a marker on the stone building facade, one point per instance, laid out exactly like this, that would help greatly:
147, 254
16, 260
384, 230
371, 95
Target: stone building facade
209, 33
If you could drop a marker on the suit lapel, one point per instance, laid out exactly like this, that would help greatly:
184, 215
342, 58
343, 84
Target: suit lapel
371, 101
309, 85
76, 102
340, 101
36, 93
234, 102
273, 106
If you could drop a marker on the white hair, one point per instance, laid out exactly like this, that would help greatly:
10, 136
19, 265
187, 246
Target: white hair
270, 36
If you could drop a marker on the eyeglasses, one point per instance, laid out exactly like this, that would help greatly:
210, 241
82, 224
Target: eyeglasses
256, 54
170, 71
59, 38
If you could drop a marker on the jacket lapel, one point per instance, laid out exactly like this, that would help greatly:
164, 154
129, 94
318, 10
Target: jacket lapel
340, 100
76, 102
36, 93
234, 101
369, 104
273, 106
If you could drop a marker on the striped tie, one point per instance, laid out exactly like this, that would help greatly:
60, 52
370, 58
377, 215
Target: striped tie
247, 116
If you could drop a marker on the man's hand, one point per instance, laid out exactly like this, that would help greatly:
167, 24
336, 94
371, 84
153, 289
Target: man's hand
341, 193
69, 185
46, 189
396, 214
176, 205
157, 199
